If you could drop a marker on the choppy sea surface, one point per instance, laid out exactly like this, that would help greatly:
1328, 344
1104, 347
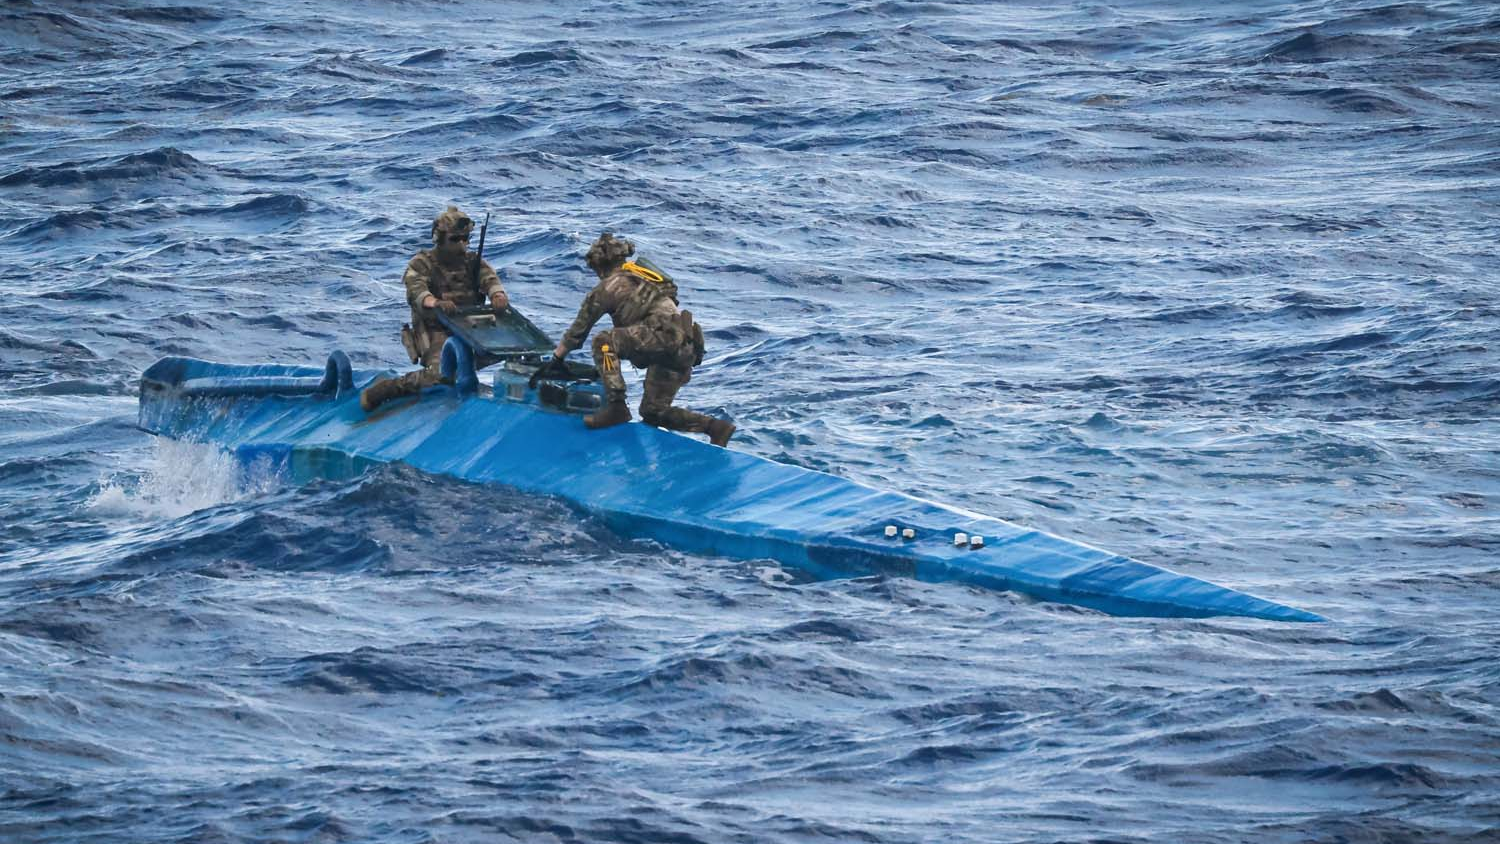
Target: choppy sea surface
1212, 285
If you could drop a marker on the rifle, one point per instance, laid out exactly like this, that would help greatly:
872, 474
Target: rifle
478, 264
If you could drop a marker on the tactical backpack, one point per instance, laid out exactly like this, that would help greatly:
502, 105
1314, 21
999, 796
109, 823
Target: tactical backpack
642, 267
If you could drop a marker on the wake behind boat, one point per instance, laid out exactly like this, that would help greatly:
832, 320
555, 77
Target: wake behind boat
525, 432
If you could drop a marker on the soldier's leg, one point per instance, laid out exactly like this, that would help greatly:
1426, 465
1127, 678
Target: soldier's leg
418, 380
607, 359
662, 384
385, 389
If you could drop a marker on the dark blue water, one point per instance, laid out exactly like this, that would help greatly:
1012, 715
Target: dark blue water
1211, 285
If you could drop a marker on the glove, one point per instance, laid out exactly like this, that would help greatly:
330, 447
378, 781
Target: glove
553, 368
499, 301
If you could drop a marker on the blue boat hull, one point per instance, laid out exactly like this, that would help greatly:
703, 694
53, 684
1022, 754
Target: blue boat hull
649, 483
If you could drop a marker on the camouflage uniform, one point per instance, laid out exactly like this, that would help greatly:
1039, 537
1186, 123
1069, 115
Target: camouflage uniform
427, 276
649, 332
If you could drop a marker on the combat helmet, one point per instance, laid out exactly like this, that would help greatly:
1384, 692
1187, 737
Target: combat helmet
608, 251
452, 221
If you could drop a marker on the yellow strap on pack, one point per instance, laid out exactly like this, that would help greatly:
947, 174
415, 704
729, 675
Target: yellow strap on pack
636, 269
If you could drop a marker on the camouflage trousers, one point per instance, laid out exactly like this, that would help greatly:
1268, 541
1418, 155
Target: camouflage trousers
420, 379
666, 353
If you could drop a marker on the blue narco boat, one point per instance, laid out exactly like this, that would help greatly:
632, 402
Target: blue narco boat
643, 482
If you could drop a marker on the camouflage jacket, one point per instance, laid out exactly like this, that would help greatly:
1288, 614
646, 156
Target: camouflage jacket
424, 276
627, 298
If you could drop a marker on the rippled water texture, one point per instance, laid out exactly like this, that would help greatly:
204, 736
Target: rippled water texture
1211, 285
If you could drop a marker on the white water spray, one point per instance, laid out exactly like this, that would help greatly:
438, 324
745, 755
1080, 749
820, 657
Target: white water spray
183, 478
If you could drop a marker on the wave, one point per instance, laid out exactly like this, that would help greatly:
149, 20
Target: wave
60, 225
365, 670
1281, 762
1312, 47
1316, 311
30, 92
277, 205
542, 245
17, 343
160, 163
26, 27
533, 58
354, 68
840, 38
1472, 49
243, 544
37, 470
432, 56
173, 14
74, 387
1383, 396
224, 91
1355, 99
822, 630
491, 126
744, 668
1357, 340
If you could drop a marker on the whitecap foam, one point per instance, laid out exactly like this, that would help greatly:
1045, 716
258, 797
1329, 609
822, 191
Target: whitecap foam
773, 576
183, 478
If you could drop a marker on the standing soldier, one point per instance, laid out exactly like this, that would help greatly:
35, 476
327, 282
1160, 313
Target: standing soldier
648, 331
437, 279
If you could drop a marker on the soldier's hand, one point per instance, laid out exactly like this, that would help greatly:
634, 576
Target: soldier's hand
499, 301
447, 306
555, 367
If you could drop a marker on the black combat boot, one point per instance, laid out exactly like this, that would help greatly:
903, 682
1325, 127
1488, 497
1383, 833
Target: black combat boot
719, 432
379, 393
613, 413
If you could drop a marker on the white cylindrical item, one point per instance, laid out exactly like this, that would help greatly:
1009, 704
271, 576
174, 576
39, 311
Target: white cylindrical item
890, 530
960, 538
976, 542
908, 534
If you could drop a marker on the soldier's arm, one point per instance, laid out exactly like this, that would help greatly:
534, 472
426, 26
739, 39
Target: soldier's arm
594, 306
416, 280
489, 280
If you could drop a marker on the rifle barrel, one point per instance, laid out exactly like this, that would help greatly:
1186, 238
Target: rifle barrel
478, 265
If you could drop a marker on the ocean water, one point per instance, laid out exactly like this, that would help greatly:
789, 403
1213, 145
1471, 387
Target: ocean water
1212, 285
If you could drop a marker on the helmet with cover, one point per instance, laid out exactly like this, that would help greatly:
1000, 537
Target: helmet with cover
608, 252
451, 222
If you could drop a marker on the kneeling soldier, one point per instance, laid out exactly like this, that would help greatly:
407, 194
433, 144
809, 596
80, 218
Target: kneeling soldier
649, 332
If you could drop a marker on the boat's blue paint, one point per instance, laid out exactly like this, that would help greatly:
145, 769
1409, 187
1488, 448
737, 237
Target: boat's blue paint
650, 483
456, 365
337, 379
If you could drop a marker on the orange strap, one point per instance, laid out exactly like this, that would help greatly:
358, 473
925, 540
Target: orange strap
636, 269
